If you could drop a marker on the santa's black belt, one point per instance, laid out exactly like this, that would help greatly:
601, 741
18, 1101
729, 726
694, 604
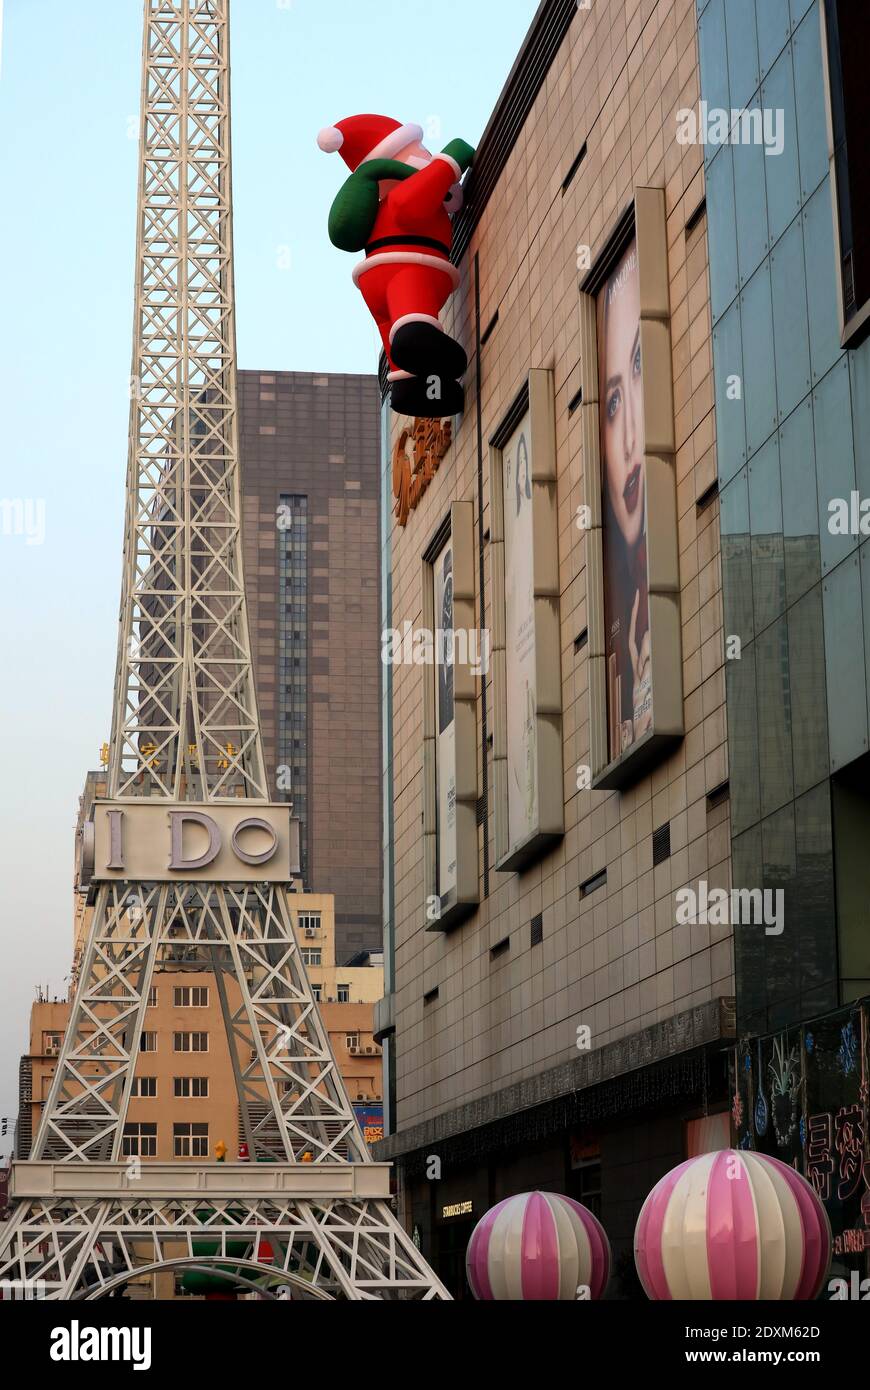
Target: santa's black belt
386, 241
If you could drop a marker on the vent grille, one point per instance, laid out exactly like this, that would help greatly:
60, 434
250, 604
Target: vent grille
848, 281
696, 216
430, 996
536, 934
662, 843
566, 182
718, 795
500, 948
514, 105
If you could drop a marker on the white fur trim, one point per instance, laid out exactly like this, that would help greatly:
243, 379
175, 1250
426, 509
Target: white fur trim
405, 258
455, 199
413, 318
448, 159
330, 139
394, 142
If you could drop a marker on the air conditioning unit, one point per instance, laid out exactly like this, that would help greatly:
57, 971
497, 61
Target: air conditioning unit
253, 1054
370, 1050
310, 931
52, 1050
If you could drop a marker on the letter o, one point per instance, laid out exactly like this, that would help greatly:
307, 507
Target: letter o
254, 823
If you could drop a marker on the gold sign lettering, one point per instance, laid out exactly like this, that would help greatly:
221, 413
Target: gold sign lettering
412, 475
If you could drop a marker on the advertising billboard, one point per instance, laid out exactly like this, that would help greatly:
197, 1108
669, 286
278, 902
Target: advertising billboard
521, 682
445, 720
629, 706
370, 1118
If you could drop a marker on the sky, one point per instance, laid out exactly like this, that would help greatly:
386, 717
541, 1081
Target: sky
69, 102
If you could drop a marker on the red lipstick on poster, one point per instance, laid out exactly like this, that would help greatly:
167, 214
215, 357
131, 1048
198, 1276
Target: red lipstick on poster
631, 491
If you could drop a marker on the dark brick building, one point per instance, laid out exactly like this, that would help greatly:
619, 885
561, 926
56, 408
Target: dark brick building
310, 478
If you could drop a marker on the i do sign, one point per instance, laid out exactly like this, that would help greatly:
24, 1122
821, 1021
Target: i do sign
153, 842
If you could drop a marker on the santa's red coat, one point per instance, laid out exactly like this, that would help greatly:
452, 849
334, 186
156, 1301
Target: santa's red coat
407, 272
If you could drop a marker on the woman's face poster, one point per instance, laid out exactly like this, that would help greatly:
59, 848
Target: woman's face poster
626, 595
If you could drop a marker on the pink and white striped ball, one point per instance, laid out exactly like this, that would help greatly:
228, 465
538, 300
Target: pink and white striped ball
537, 1245
733, 1225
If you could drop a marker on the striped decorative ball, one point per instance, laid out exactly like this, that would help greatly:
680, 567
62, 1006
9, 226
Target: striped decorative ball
537, 1246
733, 1225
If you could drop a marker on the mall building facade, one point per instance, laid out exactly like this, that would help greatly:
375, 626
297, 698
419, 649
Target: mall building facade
625, 826
548, 1023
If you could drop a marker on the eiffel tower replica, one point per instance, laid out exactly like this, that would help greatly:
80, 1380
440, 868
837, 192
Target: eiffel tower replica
187, 858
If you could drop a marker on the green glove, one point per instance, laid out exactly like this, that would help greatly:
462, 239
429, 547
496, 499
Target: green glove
462, 152
353, 213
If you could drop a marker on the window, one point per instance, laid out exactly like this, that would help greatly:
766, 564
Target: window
144, 1087
351, 1040
847, 30
190, 1042
311, 955
190, 1087
343, 994
190, 1140
51, 1044
140, 1141
148, 1042
316, 991
191, 997
309, 922
152, 997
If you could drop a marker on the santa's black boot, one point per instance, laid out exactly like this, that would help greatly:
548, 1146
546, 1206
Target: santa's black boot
427, 398
423, 349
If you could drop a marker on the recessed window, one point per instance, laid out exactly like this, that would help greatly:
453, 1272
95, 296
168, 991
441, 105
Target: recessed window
152, 997
191, 997
190, 1087
343, 994
847, 28
144, 1087
148, 1042
190, 1042
311, 955
139, 1141
590, 885
190, 1140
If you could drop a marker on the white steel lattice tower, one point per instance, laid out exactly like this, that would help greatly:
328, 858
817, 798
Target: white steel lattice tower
189, 863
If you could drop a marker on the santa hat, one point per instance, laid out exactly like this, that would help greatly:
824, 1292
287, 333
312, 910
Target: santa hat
361, 138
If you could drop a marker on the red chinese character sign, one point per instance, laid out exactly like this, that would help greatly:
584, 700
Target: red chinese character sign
397, 206
802, 1095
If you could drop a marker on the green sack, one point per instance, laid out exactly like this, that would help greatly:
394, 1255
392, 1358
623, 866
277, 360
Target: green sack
352, 215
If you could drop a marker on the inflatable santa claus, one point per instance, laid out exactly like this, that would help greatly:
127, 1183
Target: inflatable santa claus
397, 206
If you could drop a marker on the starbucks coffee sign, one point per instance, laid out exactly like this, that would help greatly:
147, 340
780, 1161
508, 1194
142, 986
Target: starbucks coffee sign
149, 841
